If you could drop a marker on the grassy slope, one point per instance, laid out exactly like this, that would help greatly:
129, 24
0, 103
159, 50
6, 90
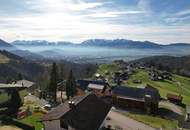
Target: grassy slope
3, 59
164, 87
4, 96
34, 120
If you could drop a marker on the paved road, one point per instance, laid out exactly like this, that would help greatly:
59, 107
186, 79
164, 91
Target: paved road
125, 122
171, 106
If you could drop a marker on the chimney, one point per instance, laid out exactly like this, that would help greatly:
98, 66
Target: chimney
71, 104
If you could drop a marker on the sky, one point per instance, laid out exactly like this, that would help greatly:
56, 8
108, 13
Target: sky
160, 21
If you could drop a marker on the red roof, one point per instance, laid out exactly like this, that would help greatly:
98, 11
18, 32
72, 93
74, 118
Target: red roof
173, 96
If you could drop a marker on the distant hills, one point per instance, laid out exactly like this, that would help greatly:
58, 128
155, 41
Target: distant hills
117, 43
5, 45
11, 65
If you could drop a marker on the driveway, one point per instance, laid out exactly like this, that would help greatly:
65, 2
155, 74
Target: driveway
120, 121
171, 106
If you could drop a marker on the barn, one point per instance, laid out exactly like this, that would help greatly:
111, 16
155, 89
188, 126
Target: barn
137, 98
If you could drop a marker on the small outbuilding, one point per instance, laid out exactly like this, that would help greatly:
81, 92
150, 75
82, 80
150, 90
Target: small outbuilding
176, 99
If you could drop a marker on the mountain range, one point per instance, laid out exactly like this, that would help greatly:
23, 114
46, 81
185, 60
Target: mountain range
117, 43
97, 50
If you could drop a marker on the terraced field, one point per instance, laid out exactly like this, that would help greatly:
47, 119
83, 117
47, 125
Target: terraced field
3, 59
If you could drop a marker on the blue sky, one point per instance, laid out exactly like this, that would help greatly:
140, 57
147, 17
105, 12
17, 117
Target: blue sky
161, 21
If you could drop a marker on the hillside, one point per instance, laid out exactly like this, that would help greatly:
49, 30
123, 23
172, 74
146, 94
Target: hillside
3, 59
6, 46
178, 65
11, 65
164, 87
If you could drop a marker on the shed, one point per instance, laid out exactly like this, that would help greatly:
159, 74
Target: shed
177, 99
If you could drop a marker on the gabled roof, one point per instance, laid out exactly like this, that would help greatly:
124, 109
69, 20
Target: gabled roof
88, 114
136, 93
7, 86
25, 83
96, 86
83, 84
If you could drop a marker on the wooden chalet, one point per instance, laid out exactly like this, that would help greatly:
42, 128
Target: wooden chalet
98, 87
86, 112
30, 86
177, 99
138, 98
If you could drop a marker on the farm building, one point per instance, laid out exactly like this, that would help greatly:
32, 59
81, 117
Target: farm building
31, 86
177, 99
140, 98
80, 113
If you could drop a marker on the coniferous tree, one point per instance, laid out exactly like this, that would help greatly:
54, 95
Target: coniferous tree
19, 76
14, 103
52, 88
70, 85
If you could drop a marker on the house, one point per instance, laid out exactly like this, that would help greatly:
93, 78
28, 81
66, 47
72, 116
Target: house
86, 112
188, 113
98, 87
177, 99
31, 86
139, 98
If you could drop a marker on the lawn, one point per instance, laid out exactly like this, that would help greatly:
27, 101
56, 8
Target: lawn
34, 120
178, 85
153, 121
4, 96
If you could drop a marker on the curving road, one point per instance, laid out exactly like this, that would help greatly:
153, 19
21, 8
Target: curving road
124, 122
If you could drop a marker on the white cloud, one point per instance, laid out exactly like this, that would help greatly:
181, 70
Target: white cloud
184, 12
64, 20
113, 14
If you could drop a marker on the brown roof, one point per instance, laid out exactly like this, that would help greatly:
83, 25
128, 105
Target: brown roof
88, 114
173, 96
137, 94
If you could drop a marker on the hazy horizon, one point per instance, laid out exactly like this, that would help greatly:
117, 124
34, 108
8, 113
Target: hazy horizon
159, 21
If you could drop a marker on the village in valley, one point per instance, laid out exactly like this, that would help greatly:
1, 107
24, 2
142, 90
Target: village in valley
119, 96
